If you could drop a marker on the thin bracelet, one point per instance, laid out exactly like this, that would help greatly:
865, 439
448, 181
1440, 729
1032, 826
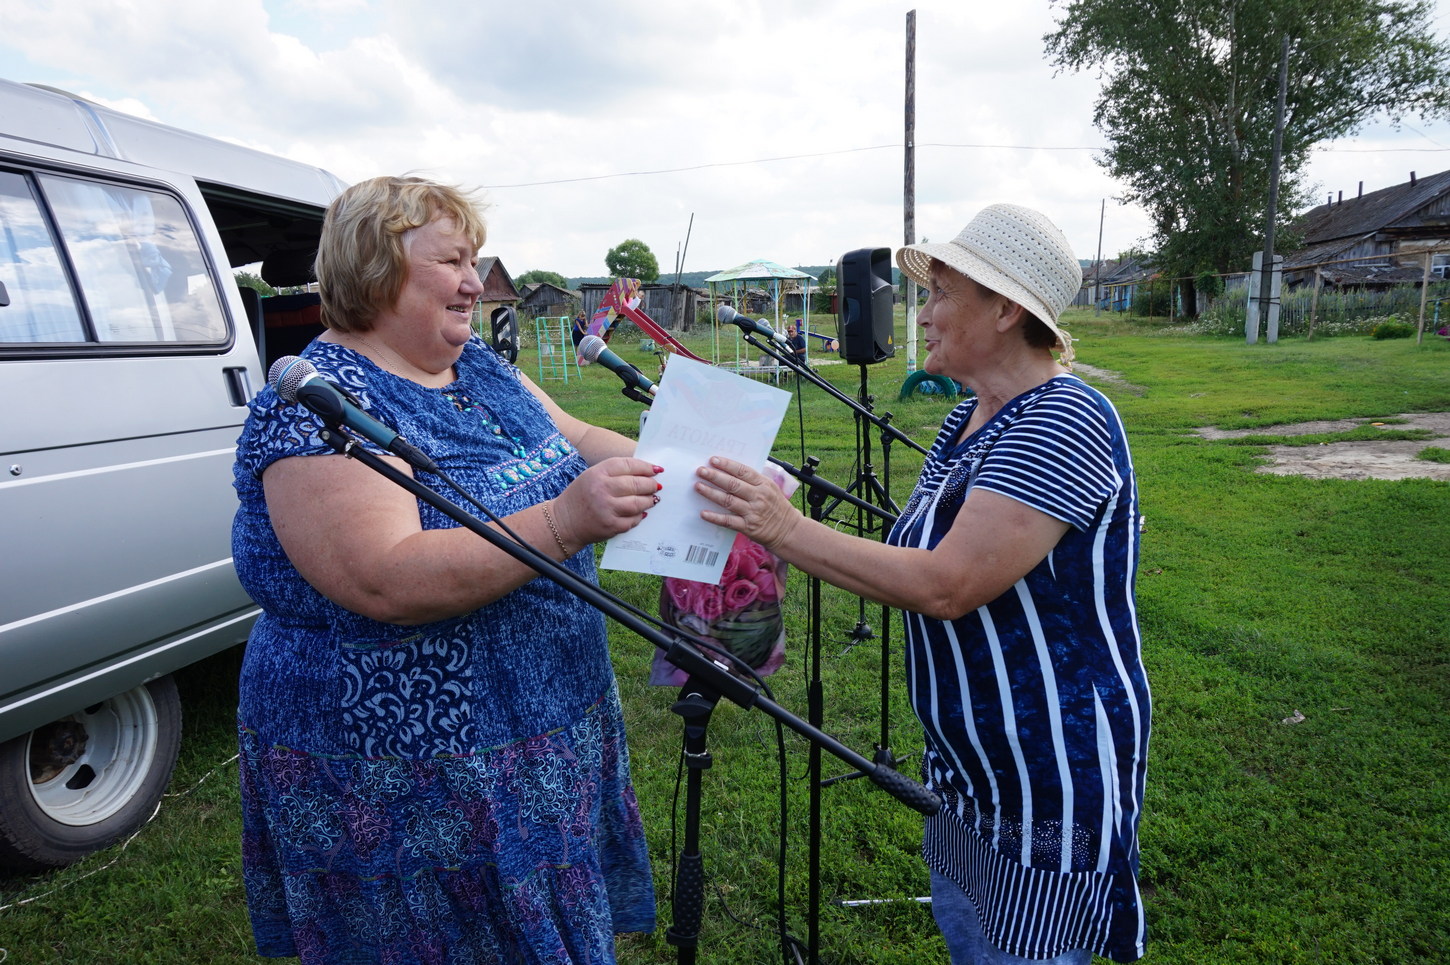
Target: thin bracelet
549, 518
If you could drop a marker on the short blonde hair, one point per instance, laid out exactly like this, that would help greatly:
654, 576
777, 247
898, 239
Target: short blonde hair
362, 259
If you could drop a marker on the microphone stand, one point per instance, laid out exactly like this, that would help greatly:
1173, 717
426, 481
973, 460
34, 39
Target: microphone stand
695, 708
884, 754
804, 371
708, 681
885, 511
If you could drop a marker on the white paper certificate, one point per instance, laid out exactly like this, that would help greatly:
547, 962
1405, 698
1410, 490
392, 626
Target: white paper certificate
700, 411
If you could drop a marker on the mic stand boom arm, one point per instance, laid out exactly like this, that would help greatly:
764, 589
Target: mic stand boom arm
806, 372
678, 650
825, 487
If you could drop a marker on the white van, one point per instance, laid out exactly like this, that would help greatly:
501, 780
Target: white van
127, 356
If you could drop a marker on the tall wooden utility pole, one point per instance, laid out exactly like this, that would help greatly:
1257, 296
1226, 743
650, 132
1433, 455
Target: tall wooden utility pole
1098, 265
909, 202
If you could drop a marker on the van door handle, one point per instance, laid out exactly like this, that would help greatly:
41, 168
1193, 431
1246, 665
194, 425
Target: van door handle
239, 384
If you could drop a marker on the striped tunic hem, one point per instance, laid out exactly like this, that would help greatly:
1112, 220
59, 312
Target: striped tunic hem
1032, 913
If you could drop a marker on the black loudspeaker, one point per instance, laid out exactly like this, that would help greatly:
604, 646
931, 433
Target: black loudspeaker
863, 317
504, 324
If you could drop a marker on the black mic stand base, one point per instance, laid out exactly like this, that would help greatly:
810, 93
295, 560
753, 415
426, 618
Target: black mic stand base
695, 705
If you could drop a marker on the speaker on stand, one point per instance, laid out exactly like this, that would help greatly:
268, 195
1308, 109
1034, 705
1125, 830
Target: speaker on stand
867, 332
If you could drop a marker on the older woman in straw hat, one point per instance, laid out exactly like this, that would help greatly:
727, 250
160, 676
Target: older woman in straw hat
1014, 559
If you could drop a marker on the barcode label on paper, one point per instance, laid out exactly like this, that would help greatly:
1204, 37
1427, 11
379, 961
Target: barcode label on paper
702, 555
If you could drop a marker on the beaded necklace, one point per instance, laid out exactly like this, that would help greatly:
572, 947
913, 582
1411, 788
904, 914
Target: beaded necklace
490, 421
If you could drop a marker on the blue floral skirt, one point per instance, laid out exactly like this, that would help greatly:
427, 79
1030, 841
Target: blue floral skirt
530, 852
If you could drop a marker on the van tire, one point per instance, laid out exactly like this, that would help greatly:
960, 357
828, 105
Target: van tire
102, 772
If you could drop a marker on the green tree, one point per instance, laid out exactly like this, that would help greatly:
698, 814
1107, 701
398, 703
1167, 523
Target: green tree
246, 279
540, 275
632, 258
1189, 98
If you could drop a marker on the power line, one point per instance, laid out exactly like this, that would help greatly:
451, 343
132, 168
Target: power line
897, 147
784, 157
693, 167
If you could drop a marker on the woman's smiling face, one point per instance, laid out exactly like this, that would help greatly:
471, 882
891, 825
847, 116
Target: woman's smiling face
957, 322
436, 303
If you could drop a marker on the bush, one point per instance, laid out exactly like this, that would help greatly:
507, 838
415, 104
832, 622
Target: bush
1208, 285
1338, 313
1154, 299
1392, 328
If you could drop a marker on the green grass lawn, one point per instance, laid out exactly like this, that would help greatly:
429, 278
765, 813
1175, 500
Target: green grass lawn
1263, 598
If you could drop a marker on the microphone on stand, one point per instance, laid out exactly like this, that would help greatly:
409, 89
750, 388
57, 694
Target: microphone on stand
297, 380
726, 315
592, 349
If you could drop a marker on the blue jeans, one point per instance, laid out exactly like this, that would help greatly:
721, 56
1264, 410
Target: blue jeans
956, 916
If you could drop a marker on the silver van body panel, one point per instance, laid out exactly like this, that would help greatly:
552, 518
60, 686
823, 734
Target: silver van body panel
56, 119
116, 496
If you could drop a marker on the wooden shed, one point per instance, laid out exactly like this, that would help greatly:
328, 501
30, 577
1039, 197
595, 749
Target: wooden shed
549, 301
673, 307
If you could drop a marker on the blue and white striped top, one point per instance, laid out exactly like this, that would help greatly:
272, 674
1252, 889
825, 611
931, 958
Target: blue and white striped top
1036, 706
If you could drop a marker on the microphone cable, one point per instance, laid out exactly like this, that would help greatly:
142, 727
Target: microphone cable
789, 943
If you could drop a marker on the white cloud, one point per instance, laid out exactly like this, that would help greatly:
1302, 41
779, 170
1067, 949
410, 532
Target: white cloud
551, 105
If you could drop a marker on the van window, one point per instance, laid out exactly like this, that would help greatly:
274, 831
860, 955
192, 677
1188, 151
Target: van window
42, 308
139, 264
137, 261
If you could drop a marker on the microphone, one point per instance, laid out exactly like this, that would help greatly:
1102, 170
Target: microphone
726, 315
592, 349
297, 380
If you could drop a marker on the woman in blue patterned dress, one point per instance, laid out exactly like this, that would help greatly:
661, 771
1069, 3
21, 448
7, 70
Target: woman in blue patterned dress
1015, 559
433, 763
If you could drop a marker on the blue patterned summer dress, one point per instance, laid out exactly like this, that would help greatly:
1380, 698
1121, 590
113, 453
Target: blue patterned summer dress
456, 792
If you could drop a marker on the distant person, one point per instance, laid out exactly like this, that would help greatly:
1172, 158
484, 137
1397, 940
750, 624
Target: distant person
433, 765
579, 330
1015, 561
798, 342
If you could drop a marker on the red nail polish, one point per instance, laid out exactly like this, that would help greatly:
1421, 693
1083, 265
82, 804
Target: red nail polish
658, 468
659, 486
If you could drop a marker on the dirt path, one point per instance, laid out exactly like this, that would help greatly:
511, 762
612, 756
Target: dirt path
1391, 459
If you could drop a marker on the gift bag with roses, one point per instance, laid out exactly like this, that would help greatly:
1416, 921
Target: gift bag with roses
740, 614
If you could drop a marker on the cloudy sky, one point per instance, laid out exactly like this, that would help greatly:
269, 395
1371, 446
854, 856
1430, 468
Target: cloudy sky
776, 126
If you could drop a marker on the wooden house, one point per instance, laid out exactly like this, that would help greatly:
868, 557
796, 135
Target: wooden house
1118, 281
1378, 239
498, 287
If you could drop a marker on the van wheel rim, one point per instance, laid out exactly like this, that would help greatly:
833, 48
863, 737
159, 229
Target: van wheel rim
87, 767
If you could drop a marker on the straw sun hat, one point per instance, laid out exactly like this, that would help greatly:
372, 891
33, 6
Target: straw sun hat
1017, 253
